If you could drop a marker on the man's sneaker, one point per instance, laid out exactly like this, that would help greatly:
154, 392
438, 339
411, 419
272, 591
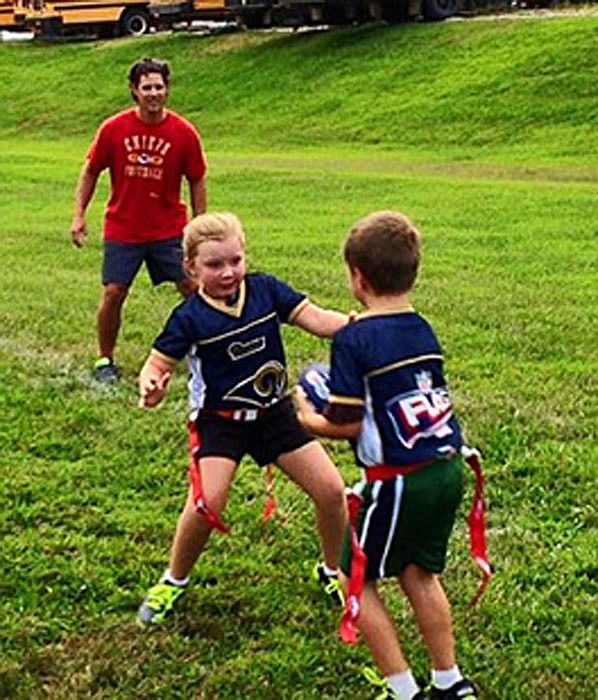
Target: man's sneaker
330, 584
158, 603
461, 690
105, 371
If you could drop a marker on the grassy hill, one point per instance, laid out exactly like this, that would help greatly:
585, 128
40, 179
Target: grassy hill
515, 90
484, 134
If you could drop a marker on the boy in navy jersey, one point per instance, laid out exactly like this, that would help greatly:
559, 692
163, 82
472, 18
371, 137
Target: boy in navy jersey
387, 391
230, 332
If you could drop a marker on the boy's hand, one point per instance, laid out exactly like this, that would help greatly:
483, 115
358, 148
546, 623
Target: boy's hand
304, 406
152, 391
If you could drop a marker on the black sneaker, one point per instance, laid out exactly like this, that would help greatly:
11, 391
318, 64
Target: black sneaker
105, 371
461, 690
330, 584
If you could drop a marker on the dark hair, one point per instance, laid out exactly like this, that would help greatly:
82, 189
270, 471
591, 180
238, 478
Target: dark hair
386, 248
144, 66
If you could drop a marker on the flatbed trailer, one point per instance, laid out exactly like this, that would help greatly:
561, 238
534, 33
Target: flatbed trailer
268, 13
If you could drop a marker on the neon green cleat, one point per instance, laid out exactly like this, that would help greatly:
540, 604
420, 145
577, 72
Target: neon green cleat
158, 603
385, 692
330, 584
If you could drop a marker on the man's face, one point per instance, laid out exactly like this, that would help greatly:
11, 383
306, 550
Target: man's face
151, 93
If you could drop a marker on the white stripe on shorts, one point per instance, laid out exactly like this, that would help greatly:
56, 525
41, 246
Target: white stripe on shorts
396, 507
368, 516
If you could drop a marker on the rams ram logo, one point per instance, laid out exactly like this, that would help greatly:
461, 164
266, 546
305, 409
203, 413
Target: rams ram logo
262, 389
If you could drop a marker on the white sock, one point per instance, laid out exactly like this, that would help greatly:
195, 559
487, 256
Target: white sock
328, 571
445, 679
403, 685
169, 578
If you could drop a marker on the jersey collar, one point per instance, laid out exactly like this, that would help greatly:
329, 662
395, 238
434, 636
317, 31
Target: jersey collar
235, 310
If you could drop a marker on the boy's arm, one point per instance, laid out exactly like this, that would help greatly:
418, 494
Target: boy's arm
154, 378
319, 425
321, 322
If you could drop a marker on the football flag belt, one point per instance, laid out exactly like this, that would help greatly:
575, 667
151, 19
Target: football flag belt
239, 414
199, 501
477, 536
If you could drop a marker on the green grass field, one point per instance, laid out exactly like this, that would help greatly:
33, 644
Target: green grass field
484, 133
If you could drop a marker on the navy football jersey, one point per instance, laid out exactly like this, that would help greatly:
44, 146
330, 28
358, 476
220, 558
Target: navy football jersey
235, 352
391, 366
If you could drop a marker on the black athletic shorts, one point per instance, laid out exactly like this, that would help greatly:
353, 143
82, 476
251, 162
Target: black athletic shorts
163, 259
274, 433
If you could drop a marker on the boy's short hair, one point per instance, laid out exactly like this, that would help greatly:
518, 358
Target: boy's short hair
386, 248
145, 66
210, 227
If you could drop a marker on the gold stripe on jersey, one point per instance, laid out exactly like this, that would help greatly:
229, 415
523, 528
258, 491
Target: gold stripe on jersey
406, 309
207, 341
345, 400
297, 310
235, 309
403, 363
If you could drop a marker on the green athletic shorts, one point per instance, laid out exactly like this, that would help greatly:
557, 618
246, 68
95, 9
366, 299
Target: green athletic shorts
407, 520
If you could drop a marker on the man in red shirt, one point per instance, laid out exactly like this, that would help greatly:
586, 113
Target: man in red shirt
147, 150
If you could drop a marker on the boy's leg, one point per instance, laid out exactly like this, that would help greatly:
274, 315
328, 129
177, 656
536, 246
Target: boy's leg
381, 638
192, 532
312, 470
433, 614
379, 632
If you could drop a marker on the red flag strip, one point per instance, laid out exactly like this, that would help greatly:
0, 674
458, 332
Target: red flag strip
195, 475
477, 538
477, 524
348, 630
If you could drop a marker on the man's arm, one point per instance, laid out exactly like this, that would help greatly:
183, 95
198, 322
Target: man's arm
198, 196
86, 186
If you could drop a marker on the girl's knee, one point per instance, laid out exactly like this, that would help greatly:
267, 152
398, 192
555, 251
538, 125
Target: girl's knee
330, 494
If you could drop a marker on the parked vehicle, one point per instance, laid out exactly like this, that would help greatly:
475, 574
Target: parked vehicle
104, 18
265, 13
7, 15
108, 18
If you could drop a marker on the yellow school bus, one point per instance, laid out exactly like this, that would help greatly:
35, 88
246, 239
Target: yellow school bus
104, 18
7, 15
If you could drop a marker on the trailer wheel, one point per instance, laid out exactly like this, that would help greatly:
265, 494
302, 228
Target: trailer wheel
393, 11
433, 10
134, 23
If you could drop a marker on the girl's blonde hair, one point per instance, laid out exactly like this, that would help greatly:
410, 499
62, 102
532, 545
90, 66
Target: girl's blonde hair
210, 227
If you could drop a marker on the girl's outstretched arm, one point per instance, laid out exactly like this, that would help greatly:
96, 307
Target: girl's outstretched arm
154, 378
321, 322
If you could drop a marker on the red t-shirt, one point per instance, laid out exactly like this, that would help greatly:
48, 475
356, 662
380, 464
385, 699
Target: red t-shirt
147, 163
